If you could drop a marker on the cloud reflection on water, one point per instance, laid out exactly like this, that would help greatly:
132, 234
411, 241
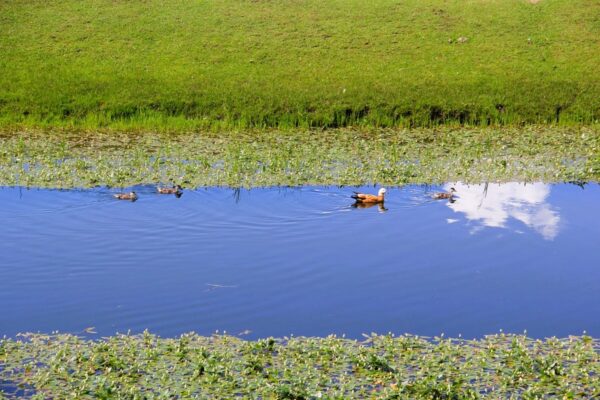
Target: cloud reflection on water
492, 205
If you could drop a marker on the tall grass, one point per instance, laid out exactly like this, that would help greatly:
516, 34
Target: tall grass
224, 64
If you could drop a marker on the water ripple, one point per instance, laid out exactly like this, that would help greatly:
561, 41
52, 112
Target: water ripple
300, 260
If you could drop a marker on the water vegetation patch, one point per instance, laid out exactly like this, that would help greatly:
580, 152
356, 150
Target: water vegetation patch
168, 64
74, 158
145, 366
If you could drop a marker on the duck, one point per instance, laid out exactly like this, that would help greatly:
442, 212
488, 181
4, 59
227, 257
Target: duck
126, 196
444, 195
370, 198
177, 189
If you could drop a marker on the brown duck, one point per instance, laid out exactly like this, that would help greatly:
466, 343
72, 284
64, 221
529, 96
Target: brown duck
177, 189
444, 195
370, 198
132, 196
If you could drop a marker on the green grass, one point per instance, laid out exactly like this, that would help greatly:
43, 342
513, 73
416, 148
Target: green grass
225, 367
66, 158
225, 64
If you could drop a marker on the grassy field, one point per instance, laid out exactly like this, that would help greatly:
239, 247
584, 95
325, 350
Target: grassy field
222, 64
65, 158
380, 367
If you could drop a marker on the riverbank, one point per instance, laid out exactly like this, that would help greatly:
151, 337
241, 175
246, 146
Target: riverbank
146, 366
173, 66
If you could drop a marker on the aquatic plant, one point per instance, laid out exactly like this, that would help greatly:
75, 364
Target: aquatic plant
145, 366
74, 158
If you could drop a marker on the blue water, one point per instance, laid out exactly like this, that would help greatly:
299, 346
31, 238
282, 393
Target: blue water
302, 261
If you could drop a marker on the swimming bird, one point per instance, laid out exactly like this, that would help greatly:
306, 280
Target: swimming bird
444, 195
126, 196
370, 198
177, 189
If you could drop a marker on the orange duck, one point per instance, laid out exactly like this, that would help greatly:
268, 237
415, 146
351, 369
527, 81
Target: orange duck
370, 198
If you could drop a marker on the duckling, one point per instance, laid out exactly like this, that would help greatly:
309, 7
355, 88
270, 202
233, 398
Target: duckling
370, 198
444, 195
126, 196
176, 190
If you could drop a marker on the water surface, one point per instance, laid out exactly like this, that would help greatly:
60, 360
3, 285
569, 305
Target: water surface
302, 261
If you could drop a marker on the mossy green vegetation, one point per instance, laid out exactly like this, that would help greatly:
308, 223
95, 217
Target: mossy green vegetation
181, 65
384, 367
65, 159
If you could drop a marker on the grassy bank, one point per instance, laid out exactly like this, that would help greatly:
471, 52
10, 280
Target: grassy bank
64, 158
382, 367
181, 65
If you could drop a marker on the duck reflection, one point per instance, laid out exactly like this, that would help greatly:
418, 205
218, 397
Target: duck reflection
380, 206
493, 205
